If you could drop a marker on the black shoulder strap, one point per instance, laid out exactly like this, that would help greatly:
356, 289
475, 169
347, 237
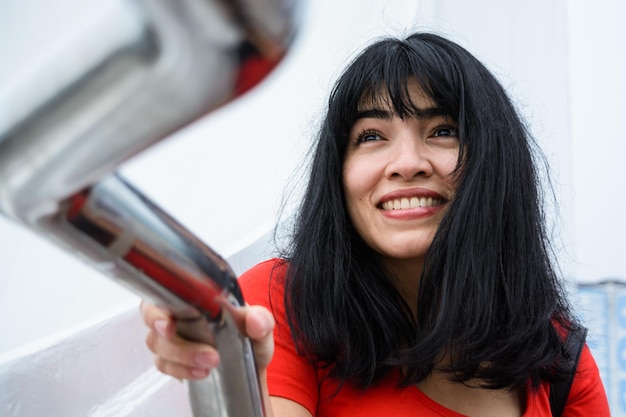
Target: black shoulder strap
559, 391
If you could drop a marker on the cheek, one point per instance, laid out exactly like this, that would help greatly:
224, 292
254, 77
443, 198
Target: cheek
356, 184
358, 179
446, 170
449, 161
348, 182
352, 196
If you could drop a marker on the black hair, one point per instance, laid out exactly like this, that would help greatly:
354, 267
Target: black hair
489, 297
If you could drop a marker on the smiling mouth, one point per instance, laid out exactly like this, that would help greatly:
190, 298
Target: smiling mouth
409, 203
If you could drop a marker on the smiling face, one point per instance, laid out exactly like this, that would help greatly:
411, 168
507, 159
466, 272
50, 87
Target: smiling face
397, 176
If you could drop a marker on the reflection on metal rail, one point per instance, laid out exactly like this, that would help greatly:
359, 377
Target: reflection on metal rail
168, 63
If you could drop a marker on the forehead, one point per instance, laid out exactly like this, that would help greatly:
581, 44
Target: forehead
402, 100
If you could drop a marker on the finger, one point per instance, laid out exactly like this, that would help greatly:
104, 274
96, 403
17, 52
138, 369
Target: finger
255, 322
180, 371
157, 319
182, 352
260, 328
259, 322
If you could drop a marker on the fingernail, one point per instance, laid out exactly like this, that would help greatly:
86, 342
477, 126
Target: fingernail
207, 359
199, 373
161, 326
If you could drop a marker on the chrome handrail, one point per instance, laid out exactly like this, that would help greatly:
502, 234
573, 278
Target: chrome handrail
169, 63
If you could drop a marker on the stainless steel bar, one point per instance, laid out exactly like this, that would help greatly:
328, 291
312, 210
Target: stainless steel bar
122, 232
168, 63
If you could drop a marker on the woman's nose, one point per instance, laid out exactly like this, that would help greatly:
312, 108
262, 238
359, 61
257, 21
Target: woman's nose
408, 160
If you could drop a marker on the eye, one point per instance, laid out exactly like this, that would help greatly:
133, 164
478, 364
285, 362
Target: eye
368, 135
450, 131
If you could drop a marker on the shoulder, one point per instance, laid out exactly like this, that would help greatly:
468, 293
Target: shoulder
268, 267
263, 283
587, 395
264, 272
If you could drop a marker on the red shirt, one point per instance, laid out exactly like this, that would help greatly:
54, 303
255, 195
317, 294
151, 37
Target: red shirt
292, 376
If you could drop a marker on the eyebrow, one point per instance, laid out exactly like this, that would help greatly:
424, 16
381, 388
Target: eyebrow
386, 114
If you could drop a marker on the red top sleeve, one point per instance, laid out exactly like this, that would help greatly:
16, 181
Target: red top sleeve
587, 396
289, 375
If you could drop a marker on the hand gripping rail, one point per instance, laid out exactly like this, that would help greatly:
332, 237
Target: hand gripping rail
164, 64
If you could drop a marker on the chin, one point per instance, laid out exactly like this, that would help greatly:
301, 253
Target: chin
406, 253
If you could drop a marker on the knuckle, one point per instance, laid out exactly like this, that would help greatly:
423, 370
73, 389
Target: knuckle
151, 341
160, 364
144, 309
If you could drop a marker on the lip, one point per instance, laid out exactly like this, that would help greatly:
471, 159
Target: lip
411, 213
410, 192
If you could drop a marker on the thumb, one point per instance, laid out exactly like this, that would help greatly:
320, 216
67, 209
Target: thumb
259, 325
256, 323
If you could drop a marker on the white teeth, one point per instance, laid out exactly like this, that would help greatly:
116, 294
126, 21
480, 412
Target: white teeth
413, 202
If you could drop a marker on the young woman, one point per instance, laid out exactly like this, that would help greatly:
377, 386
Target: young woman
419, 280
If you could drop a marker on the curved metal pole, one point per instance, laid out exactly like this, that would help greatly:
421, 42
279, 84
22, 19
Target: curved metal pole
168, 63
123, 233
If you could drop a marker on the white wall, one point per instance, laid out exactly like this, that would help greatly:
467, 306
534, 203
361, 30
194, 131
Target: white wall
597, 69
224, 176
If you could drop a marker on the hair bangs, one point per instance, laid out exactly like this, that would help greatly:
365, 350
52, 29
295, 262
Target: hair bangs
400, 67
